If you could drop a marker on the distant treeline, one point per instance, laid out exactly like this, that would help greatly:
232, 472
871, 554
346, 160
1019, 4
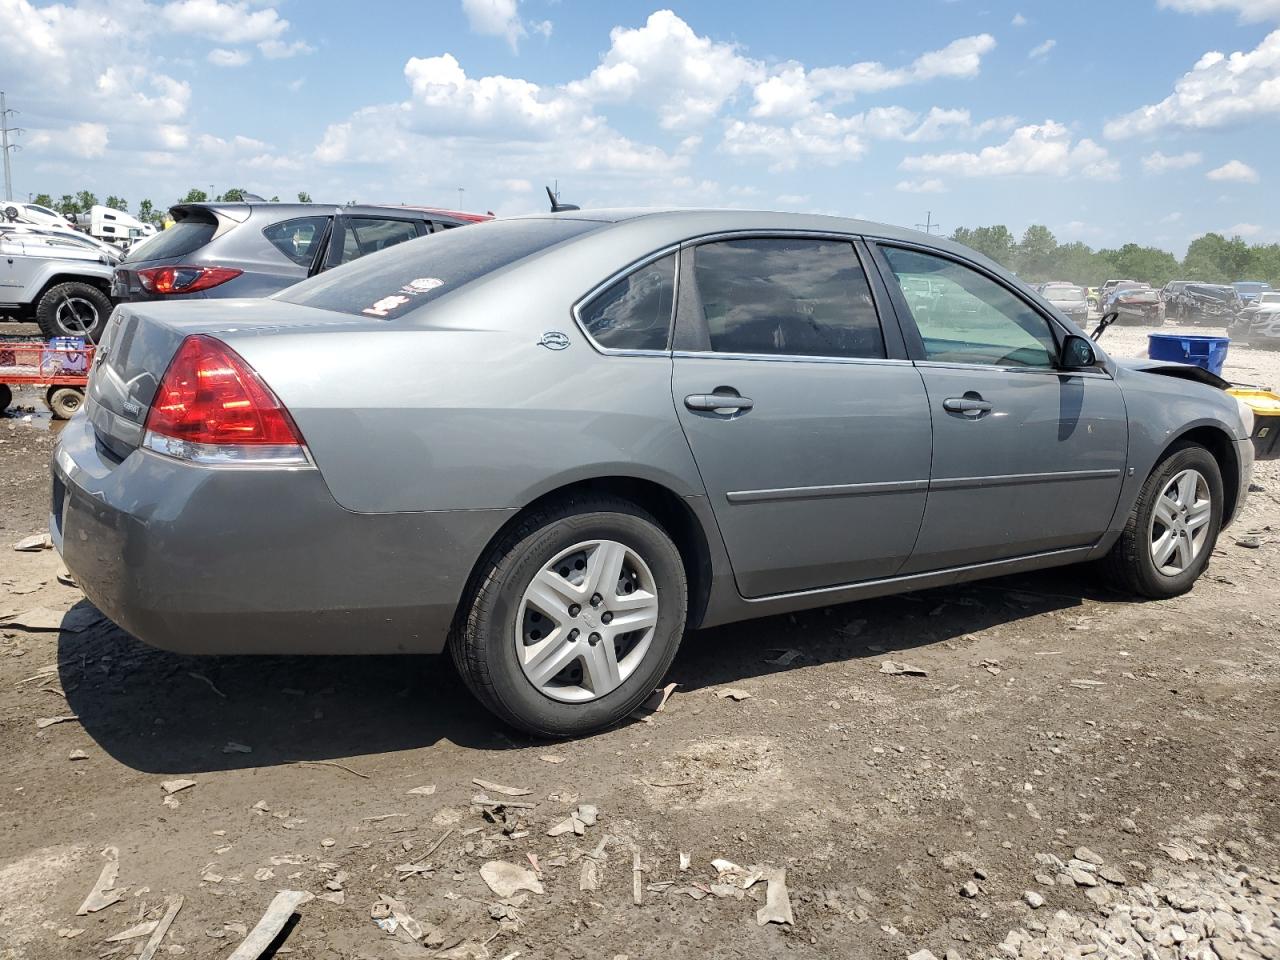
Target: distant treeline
1038, 256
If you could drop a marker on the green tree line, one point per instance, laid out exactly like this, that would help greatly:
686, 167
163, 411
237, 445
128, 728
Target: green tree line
1211, 258
147, 211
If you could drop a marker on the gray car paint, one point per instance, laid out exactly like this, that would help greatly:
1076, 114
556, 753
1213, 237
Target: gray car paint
428, 433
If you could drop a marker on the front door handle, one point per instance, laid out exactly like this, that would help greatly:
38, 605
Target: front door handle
969, 406
719, 402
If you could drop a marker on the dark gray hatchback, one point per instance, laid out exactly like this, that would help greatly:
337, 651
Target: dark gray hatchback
221, 250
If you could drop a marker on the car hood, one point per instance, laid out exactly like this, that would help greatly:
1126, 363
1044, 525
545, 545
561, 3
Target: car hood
1182, 371
1070, 304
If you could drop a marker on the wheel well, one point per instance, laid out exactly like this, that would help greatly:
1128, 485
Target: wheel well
1218, 444
99, 282
667, 507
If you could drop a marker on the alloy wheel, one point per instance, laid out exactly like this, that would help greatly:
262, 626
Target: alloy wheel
586, 621
76, 316
1180, 522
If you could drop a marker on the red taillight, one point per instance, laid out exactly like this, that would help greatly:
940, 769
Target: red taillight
166, 280
212, 407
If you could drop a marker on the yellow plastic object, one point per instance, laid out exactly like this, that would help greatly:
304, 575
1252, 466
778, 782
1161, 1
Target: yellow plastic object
1264, 402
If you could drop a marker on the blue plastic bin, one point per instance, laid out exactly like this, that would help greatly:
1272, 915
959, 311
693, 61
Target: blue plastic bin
1207, 352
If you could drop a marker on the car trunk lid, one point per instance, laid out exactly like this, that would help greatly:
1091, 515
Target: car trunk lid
142, 338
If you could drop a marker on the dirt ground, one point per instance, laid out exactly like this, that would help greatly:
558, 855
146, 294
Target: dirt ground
910, 812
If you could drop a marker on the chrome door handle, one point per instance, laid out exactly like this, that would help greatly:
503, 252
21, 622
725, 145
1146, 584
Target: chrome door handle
718, 402
966, 405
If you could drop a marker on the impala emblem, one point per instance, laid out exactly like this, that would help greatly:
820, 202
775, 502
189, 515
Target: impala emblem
554, 340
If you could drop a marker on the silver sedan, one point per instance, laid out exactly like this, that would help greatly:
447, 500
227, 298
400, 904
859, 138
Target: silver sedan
552, 444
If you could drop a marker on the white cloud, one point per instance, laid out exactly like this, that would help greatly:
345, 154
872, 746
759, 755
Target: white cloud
1218, 91
1036, 149
685, 77
1042, 50
456, 102
1160, 163
1242, 230
793, 199
223, 22
1171, 217
227, 58
930, 185
824, 139
515, 185
1234, 171
1018, 20
496, 18
283, 49
542, 28
1250, 11
82, 140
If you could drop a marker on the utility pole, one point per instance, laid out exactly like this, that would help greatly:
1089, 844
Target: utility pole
461, 191
5, 145
929, 226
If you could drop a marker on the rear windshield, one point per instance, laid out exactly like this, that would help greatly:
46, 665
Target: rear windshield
1251, 287
185, 236
393, 282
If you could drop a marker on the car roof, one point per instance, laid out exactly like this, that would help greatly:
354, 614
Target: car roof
685, 223
239, 208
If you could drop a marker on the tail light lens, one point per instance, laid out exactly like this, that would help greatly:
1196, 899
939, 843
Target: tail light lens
167, 280
212, 407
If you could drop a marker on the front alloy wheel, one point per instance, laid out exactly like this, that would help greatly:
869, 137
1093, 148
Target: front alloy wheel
1170, 533
1180, 523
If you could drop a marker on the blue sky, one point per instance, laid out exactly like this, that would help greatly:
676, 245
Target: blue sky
1146, 120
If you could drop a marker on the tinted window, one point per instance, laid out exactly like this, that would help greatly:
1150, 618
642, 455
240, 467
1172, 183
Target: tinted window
787, 296
968, 318
297, 239
183, 237
364, 235
635, 312
1063, 293
415, 273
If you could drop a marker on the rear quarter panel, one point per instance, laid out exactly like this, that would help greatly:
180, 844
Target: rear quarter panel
458, 407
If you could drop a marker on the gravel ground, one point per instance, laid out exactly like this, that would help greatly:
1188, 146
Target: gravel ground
1074, 774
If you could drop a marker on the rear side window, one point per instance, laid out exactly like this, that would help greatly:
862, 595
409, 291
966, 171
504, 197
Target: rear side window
184, 237
635, 312
412, 274
365, 235
297, 239
788, 296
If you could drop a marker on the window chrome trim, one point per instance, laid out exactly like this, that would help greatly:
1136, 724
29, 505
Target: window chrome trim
599, 288
787, 358
1098, 374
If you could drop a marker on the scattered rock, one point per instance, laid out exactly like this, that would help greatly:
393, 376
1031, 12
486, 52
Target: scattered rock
894, 668
499, 788
733, 693
969, 890
174, 786
777, 905
34, 543
505, 879
1088, 856
1033, 899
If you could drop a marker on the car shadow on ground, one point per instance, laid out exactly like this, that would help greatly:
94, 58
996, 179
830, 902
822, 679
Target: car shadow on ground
163, 712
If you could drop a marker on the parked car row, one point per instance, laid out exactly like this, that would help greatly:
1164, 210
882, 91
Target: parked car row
68, 282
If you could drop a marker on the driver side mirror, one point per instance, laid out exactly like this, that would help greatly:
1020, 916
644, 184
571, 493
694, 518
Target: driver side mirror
1078, 353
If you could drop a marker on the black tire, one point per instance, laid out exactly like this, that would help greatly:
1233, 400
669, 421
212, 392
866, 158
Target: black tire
1130, 564
99, 306
64, 402
6, 397
482, 641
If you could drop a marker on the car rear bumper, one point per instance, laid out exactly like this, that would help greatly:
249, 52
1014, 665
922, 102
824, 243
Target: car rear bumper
241, 560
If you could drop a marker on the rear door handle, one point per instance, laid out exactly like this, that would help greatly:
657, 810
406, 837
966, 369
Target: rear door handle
966, 405
718, 402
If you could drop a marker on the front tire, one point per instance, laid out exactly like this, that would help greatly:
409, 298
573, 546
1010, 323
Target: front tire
73, 310
64, 402
573, 618
1173, 527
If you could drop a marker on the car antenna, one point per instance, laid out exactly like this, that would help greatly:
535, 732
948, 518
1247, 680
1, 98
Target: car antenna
252, 198
1107, 320
557, 206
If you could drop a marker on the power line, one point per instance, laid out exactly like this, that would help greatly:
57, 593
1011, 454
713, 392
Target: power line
5, 146
929, 226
